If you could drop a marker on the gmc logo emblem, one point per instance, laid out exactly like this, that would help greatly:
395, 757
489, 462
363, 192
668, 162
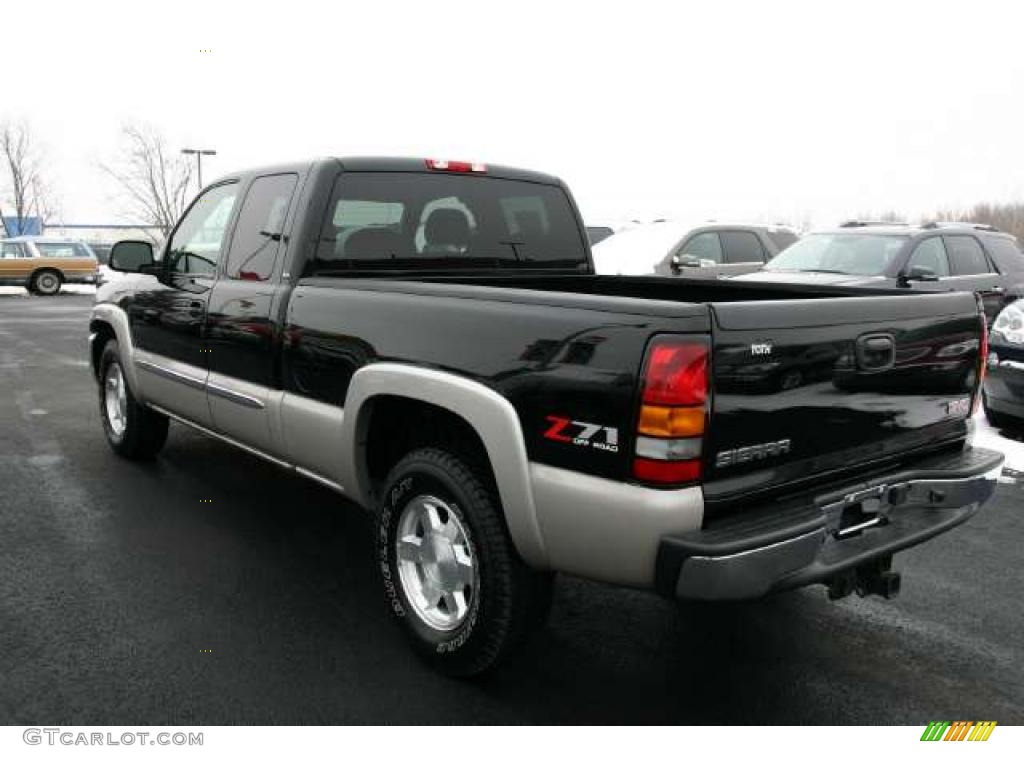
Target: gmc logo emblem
582, 433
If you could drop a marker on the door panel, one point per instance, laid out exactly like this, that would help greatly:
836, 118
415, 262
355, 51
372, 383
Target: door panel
175, 385
240, 330
168, 320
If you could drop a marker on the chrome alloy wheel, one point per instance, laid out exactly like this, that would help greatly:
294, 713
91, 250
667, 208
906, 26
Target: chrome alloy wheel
115, 399
435, 563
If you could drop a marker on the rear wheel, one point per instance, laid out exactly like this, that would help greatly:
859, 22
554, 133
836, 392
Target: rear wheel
133, 430
451, 573
45, 282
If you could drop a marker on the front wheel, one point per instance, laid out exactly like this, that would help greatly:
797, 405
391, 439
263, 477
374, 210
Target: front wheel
451, 573
133, 430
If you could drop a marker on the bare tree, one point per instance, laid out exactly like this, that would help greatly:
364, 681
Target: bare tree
1009, 217
155, 179
30, 194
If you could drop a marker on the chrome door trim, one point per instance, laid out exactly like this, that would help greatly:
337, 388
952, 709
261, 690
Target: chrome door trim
221, 436
254, 451
319, 478
235, 396
169, 373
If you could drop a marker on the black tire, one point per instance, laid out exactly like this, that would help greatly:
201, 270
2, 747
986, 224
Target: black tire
45, 282
509, 600
145, 431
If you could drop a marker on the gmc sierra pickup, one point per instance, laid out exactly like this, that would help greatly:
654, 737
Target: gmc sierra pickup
428, 338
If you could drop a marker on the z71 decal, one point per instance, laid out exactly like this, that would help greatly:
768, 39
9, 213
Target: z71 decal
583, 434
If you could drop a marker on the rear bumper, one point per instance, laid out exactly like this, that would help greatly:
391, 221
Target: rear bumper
808, 541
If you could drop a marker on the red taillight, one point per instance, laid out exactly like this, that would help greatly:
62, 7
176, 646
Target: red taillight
672, 411
676, 373
456, 166
667, 472
983, 367
983, 363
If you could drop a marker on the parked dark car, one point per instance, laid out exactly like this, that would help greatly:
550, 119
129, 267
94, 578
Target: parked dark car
938, 256
1004, 384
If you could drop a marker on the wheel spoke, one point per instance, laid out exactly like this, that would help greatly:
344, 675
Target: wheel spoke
431, 593
410, 548
466, 570
431, 518
451, 529
455, 602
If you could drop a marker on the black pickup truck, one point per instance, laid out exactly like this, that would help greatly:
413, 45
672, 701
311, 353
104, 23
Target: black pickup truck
428, 339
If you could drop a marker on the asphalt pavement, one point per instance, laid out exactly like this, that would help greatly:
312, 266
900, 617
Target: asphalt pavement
211, 588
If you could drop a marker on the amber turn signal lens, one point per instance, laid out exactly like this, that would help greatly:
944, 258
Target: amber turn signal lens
664, 421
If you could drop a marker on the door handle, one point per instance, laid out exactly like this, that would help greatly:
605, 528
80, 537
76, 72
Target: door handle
195, 308
876, 352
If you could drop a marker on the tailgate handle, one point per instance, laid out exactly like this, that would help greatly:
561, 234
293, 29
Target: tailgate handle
876, 352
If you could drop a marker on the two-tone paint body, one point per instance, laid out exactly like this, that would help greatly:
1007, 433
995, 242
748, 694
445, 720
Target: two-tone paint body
295, 367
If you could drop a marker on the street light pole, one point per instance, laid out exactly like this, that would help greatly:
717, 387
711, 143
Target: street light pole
199, 161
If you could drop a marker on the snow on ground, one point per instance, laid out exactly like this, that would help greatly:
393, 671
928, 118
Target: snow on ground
15, 290
1011, 444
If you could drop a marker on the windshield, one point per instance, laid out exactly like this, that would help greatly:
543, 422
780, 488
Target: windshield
847, 254
412, 221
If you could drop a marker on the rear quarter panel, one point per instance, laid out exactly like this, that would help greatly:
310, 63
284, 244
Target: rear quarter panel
550, 360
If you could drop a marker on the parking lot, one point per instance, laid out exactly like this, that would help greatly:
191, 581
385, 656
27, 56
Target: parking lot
211, 588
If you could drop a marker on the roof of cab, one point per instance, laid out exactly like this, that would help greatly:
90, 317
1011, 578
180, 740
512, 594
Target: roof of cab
419, 164
386, 164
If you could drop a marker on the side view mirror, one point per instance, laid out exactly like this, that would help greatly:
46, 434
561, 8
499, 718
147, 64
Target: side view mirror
685, 260
132, 256
919, 273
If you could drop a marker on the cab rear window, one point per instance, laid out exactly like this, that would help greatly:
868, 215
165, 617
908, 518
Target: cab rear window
384, 221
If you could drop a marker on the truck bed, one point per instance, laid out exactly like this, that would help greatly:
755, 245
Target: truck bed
573, 346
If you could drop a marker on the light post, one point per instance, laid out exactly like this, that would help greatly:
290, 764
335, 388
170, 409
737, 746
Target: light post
199, 161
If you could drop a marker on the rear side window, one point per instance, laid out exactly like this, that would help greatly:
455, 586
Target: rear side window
1005, 254
704, 246
63, 250
741, 248
930, 255
443, 221
260, 224
966, 256
12, 251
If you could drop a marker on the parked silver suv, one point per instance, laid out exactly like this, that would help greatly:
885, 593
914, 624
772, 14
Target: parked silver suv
672, 248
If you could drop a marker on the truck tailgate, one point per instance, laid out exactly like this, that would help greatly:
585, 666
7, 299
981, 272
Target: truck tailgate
803, 390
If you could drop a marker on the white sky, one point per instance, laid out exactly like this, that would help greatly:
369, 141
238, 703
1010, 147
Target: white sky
771, 110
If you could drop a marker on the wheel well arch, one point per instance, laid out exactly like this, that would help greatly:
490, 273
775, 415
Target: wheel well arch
462, 409
102, 333
394, 425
